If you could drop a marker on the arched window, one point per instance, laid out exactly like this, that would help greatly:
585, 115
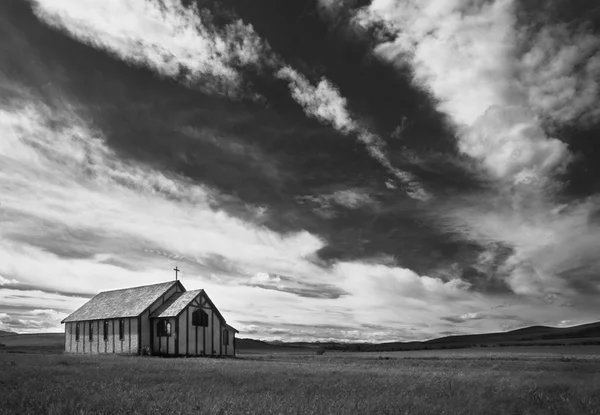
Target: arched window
200, 318
163, 328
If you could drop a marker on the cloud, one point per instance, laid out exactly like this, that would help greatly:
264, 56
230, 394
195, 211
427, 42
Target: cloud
325, 103
7, 281
326, 204
34, 321
110, 176
503, 87
173, 40
468, 56
548, 248
560, 71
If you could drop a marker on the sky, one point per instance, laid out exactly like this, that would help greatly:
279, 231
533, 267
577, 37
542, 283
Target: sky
342, 170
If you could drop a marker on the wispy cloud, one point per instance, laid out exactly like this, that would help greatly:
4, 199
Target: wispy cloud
325, 103
175, 41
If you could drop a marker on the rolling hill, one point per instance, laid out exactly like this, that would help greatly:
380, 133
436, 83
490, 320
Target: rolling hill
7, 333
528, 336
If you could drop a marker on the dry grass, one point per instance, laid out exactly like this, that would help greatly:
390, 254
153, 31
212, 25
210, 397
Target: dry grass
54, 384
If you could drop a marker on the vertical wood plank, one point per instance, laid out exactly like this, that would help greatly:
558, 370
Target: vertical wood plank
139, 321
176, 338
187, 330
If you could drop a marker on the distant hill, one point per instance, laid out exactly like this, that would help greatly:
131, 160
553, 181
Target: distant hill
33, 343
249, 346
528, 336
7, 333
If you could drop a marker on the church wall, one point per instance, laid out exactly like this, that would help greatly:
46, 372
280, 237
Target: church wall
114, 344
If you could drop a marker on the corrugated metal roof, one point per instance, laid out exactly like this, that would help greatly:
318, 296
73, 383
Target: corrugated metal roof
175, 304
127, 302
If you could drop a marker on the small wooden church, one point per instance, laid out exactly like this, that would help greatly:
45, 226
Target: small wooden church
162, 319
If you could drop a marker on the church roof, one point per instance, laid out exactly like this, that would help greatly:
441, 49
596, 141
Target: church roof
127, 302
175, 304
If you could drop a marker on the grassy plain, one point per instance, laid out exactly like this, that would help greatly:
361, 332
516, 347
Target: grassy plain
532, 381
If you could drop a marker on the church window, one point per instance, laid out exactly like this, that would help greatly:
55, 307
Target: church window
200, 318
163, 328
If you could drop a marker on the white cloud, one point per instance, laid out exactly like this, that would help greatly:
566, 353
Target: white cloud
468, 55
546, 242
163, 35
561, 73
7, 281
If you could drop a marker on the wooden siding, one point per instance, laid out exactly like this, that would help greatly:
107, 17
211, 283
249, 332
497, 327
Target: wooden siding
113, 344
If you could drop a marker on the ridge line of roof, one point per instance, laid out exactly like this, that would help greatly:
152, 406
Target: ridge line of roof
137, 286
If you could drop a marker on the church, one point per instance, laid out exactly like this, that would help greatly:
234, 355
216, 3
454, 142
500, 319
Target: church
160, 319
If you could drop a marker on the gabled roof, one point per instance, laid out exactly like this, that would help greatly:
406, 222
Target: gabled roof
127, 302
231, 328
175, 304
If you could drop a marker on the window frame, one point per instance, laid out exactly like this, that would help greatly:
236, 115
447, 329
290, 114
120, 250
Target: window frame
77, 332
91, 333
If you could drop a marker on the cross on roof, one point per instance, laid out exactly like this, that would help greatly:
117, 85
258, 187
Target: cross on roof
176, 271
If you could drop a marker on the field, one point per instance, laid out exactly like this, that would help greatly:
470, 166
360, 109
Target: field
544, 380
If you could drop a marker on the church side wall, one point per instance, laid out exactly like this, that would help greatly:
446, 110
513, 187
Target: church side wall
113, 343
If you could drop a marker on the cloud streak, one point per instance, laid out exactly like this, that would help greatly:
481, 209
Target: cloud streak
175, 41
325, 103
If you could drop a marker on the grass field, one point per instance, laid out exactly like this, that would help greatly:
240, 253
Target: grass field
513, 381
